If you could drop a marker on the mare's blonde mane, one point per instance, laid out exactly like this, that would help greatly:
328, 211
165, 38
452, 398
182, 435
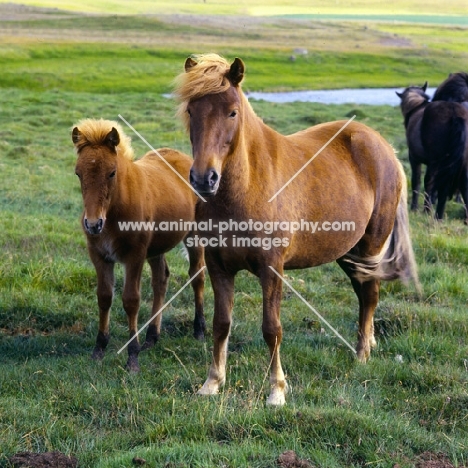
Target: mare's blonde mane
207, 77
95, 131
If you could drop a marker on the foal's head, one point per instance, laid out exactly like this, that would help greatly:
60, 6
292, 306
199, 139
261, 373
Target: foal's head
99, 144
211, 103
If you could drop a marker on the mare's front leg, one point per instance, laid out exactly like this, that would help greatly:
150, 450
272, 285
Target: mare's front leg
105, 291
159, 280
197, 262
272, 287
223, 288
131, 305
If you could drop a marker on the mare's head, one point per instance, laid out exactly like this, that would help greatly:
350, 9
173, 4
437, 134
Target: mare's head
211, 103
412, 97
99, 145
454, 88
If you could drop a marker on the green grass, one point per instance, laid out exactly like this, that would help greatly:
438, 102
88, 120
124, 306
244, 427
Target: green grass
410, 398
339, 413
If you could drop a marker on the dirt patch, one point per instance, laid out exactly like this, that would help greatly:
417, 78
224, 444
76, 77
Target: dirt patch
42, 460
434, 460
289, 459
17, 12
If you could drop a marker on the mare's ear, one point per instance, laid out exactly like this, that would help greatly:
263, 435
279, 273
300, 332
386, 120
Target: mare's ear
424, 86
400, 95
236, 72
189, 63
112, 138
76, 135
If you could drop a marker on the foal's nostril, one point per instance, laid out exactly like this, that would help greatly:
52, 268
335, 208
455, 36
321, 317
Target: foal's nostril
94, 228
212, 178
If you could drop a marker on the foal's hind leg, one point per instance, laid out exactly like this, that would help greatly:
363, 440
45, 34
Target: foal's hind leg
159, 280
197, 262
131, 304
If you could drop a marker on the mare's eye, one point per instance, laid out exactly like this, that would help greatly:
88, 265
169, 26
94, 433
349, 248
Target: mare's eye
189, 113
233, 114
78, 175
112, 174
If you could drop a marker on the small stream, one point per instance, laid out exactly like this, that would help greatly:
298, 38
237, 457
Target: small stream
371, 96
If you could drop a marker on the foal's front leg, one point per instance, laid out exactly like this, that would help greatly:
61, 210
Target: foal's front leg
223, 288
105, 290
131, 305
272, 287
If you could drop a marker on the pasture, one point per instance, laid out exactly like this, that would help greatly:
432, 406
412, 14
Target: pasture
407, 405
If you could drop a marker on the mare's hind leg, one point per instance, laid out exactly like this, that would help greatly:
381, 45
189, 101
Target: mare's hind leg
367, 293
159, 280
197, 262
105, 289
131, 304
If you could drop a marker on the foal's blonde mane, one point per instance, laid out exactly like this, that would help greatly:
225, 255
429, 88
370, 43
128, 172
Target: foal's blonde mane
207, 77
94, 132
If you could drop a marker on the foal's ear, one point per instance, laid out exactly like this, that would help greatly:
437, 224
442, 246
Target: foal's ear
112, 138
236, 72
189, 63
424, 86
76, 135
400, 95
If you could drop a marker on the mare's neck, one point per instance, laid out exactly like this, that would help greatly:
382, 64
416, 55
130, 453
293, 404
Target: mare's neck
249, 172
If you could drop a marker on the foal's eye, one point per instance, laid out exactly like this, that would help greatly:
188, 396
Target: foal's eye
78, 175
189, 113
112, 175
233, 114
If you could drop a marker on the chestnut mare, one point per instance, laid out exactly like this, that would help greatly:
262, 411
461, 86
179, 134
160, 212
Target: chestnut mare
240, 164
117, 189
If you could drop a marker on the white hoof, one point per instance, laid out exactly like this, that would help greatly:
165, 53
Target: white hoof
209, 388
277, 396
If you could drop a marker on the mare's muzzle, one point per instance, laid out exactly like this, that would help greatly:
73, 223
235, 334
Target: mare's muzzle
206, 184
93, 227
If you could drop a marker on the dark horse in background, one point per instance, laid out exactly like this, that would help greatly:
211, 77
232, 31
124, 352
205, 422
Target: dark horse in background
453, 89
436, 134
242, 166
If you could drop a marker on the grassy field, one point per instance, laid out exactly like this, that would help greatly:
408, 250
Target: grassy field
407, 405
258, 8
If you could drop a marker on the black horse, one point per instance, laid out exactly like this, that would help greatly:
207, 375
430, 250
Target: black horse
453, 89
436, 134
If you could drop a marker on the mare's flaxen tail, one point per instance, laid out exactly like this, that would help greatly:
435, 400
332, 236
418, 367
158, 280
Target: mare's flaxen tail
396, 260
